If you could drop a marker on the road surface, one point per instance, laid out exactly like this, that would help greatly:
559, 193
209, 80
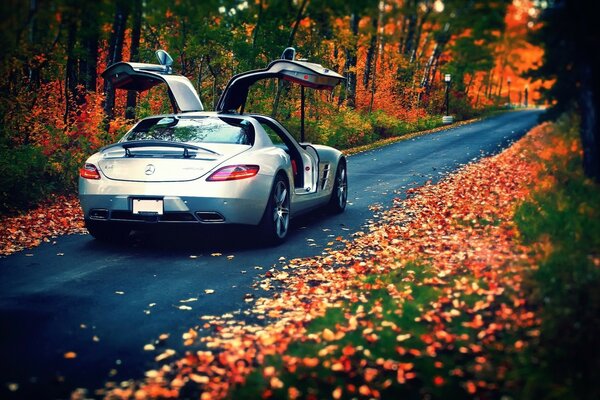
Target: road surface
105, 302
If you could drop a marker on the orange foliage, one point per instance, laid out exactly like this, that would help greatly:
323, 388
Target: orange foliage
522, 55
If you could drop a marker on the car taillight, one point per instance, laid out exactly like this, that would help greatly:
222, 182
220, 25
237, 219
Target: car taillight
234, 172
89, 171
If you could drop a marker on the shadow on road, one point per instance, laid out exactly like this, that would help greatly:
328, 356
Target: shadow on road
207, 238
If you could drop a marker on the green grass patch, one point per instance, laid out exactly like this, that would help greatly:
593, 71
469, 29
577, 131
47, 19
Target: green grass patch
565, 220
357, 350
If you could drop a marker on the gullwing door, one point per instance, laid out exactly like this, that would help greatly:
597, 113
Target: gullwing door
304, 73
141, 77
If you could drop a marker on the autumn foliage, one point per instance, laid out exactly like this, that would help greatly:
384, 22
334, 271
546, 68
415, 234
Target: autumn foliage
393, 54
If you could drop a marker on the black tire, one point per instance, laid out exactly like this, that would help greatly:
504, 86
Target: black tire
106, 231
275, 222
339, 194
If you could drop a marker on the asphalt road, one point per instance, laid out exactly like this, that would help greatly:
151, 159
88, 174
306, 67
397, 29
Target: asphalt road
105, 302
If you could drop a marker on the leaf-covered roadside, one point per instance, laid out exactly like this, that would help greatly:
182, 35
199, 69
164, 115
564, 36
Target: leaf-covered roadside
562, 223
429, 302
59, 215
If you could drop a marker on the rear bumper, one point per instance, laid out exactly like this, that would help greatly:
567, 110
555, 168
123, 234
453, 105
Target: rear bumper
233, 202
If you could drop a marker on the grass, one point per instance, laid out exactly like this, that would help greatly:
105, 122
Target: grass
357, 350
563, 221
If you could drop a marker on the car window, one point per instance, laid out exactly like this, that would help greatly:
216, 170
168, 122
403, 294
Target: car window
195, 130
275, 138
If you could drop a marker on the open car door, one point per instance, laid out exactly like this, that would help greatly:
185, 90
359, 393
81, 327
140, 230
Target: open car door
304, 73
141, 77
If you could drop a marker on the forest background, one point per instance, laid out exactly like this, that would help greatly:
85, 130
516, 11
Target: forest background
55, 109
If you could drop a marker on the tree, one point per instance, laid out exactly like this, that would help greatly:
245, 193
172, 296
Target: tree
571, 39
134, 53
115, 54
478, 26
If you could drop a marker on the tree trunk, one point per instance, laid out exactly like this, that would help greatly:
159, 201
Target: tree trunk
259, 20
589, 130
70, 68
423, 48
377, 48
411, 9
281, 85
215, 75
299, 17
490, 80
370, 54
115, 54
134, 55
418, 33
90, 36
33, 78
468, 87
435, 56
351, 58
500, 84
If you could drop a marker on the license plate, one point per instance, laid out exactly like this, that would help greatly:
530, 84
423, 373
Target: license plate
147, 206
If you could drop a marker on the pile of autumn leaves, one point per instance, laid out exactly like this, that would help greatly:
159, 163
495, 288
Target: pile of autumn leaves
60, 215
446, 260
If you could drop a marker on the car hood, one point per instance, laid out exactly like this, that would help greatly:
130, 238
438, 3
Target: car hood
155, 162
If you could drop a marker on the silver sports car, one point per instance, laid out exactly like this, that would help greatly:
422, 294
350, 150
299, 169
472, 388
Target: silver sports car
222, 167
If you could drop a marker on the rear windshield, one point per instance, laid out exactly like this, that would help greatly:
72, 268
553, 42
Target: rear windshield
194, 130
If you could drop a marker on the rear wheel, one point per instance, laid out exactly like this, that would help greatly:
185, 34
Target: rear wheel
106, 231
339, 194
276, 220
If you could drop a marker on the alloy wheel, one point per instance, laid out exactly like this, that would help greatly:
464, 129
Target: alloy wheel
281, 209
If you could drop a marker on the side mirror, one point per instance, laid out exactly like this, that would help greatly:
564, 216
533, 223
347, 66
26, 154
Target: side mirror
164, 59
289, 54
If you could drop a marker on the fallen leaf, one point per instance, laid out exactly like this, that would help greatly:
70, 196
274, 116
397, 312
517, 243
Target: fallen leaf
188, 300
164, 355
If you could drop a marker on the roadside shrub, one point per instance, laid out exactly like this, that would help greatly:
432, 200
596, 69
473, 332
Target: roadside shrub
460, 106
25, 177
347, 129
386, 126
426, 123
312, 133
